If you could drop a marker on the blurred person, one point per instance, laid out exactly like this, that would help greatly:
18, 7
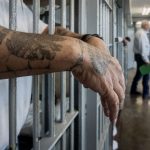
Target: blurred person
141, 54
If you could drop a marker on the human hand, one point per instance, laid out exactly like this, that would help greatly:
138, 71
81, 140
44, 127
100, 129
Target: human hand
102, 73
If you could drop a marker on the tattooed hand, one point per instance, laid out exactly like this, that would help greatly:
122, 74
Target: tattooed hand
102, 73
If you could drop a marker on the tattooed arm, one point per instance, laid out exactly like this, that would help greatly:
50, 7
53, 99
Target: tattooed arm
24, 54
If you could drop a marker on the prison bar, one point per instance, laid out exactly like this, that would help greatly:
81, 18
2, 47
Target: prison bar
71, 78
81, 94
36, 105
12, 84
51, 77
63, 77
63, 74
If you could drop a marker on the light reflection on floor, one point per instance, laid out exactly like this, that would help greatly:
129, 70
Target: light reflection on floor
134, 123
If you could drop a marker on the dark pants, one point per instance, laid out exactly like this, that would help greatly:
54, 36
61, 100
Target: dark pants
138, 76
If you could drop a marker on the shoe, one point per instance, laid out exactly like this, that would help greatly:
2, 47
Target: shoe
136, 93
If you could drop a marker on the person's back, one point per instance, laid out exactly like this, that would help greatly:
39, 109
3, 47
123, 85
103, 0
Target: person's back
141, 44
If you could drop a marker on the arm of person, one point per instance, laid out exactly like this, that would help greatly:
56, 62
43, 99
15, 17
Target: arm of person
24, 54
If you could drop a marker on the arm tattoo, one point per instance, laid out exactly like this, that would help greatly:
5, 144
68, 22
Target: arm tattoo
25, 50
99, 62
33, 47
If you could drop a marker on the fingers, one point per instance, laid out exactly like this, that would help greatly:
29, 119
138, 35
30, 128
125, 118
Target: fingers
113, 97
118, 86
105, 107
112, 102
118, 81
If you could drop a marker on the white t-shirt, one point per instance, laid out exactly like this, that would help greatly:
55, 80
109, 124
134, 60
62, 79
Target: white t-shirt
24, 84
142, 45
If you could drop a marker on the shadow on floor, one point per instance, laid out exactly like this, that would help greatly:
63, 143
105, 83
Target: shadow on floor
134, 122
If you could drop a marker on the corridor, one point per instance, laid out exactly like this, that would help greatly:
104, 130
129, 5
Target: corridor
134, 124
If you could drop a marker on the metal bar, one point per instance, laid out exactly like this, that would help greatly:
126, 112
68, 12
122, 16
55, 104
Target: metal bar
64, 141
108, 31
12, 84
63, 75
51, 77
82, 16
43, 105
12, 114
107, 25
72, 136
81, 118
36, 107
71, 78
101, 17
103, 21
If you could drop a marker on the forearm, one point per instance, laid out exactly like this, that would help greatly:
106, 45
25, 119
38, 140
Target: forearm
24, 54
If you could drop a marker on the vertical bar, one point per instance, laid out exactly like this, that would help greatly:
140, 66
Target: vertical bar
36, 107
12, 84
107, 23
101, 33
70, 75
64, 141
43, 105
72, 136
82, 27
101, 17
72, 7
63, 77
63, 74
51, 77
103, 21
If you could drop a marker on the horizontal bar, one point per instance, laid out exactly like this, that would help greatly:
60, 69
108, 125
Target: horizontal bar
48, 143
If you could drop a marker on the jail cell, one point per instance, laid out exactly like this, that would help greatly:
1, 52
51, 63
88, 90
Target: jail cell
72, 129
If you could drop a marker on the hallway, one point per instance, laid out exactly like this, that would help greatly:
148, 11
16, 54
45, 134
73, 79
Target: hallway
134, 124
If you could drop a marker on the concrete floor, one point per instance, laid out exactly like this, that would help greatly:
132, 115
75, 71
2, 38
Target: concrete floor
134, 122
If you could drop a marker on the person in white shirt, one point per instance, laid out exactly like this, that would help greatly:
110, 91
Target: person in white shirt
142, 52
24, 84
